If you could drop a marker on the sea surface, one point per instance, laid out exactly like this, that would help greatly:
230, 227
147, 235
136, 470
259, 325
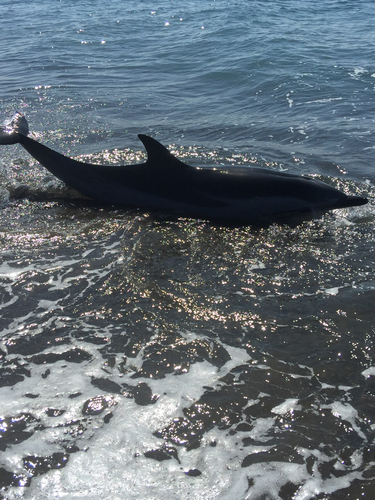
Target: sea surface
145, 356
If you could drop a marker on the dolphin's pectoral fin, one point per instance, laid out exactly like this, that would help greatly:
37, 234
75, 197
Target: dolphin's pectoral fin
158, 156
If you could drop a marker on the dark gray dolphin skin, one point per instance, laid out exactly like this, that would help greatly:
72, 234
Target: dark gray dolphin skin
231, 195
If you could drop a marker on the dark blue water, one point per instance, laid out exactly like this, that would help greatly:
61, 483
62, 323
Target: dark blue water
273, 77
143, 357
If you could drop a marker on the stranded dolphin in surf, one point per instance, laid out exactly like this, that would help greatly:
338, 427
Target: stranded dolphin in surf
243, 195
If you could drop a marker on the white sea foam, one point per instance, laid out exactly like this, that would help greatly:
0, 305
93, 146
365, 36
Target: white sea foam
288, 406
369, 371
113, 465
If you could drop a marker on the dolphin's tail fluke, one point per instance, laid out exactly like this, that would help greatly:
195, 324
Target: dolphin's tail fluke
12, 129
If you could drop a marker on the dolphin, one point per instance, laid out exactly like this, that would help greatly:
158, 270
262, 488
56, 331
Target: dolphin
230, 194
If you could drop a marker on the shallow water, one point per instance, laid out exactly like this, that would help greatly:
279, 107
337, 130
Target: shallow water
148, 356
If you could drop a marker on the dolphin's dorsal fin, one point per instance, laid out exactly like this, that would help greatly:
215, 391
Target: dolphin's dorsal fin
159, 155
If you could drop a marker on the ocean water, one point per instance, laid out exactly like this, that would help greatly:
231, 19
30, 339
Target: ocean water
145, 356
